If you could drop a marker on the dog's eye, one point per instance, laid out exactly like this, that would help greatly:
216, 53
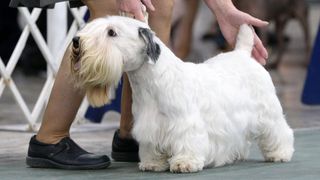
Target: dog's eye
112, 33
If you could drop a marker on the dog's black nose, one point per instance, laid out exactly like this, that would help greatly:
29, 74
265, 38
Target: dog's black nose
75, 41
112, 33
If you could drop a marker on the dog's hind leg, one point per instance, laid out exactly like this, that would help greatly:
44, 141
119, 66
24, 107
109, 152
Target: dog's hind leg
151, 159
276, 140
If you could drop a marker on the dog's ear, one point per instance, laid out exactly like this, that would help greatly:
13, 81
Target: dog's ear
98, 95
75, 54
153, 49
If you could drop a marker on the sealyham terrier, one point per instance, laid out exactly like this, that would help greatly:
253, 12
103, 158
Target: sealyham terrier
186, 116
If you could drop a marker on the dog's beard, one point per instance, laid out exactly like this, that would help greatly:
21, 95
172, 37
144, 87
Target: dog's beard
97, 69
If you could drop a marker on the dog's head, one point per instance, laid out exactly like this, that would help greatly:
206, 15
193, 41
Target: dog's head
104, 49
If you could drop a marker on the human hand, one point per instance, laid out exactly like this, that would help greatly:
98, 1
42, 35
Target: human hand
134, 7
230, 19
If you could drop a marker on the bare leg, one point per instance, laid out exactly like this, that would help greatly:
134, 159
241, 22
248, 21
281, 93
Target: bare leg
183, 37
160, 22
65, 100
126, 121
62, 107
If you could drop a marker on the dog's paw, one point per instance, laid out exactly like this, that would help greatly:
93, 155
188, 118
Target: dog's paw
279, 156
185, 166
153, 166
277, 159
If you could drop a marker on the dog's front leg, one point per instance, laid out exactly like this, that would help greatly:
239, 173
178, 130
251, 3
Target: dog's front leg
186, 163
151, 159
189, 150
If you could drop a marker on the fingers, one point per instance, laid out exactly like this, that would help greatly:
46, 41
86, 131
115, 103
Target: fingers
260, 47
139, 15
148, 4
126, 14
258, 57
259, 52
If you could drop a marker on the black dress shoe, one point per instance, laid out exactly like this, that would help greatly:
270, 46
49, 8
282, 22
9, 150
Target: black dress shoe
124, 150
64, 155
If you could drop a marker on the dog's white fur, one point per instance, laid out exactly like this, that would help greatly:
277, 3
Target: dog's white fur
188, 116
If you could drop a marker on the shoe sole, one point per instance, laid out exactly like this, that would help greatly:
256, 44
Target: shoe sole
46, 163
125, 157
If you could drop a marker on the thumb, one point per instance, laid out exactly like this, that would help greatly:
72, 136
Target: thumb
256, 22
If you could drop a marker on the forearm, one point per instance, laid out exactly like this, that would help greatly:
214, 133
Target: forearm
219, 7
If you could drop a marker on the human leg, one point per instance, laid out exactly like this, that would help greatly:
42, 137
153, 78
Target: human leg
62, 107
183, 34
52, 148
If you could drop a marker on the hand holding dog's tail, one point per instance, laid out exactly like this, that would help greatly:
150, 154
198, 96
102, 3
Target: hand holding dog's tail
245, 38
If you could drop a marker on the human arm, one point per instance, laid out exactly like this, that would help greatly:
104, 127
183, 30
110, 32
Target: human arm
230, 19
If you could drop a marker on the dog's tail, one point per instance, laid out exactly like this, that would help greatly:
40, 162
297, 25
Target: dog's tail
245, 38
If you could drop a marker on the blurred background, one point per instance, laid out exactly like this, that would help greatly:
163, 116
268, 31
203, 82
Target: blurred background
290, 39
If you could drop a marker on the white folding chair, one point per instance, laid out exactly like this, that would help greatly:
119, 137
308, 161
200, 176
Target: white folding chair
52, 50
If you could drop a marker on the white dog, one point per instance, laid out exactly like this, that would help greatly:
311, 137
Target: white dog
186, 116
